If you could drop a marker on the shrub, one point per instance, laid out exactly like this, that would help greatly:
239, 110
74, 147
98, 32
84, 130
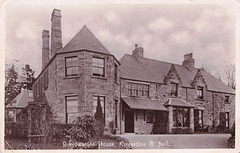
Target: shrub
18, 130
83, 129
99, 120
58, 131
231, 140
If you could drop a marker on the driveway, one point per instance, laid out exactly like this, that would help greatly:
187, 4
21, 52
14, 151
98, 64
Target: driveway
177, 141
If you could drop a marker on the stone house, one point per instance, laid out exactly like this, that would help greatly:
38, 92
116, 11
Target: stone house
18, 104
135, 92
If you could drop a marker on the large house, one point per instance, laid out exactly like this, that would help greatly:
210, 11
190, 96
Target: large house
137, 94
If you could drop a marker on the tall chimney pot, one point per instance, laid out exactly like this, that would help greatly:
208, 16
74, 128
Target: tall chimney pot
45, 48
56, 32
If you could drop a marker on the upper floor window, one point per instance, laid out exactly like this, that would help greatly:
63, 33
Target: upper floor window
200, 92
98, 66
71, 107
174, 91
226, 99
71, 66
140, 90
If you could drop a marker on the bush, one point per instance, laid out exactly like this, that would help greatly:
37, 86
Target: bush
231, 140
83, 129
99, 120
17, 130
58, 131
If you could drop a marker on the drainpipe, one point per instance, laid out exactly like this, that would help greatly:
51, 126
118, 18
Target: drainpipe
120, 103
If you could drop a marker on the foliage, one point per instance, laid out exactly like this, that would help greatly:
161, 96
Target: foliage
27, 77
231, 140
111, 127
99, 119
58, 131
18, 130
83, 129
12, 86
160, 124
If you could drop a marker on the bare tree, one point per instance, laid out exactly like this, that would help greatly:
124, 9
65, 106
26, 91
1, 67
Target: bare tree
229, 72
205, 66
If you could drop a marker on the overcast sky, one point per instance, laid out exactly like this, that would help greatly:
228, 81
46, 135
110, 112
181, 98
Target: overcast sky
166, 31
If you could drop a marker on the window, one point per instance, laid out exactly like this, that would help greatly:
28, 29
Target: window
115, 72
226, 99
201, 118
181, 117
71, 66
140, 90
227, 119
200, 92
102, 103
98, 67
30, 95
174, 87
149, 117
71, 108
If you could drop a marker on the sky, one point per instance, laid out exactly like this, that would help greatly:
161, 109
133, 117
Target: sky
166, 31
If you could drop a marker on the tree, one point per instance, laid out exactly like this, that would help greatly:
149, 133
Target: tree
229, 71
27, 77
12, 86
206, 67
99, 119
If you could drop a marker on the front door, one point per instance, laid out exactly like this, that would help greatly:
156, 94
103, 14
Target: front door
129, 122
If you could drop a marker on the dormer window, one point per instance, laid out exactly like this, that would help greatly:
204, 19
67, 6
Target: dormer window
98, 66
200, 92
174, 91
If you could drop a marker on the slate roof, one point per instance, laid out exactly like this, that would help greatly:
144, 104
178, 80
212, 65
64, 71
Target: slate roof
149, 70
177, 102
146, 104
22, 99
84, 40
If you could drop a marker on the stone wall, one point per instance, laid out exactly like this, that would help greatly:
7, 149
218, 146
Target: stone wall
84, 85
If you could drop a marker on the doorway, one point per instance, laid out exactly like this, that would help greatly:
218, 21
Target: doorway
129, 121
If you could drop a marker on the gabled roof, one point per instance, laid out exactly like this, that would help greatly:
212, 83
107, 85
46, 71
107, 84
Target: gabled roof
23, 98
177, 102
84, 40
149, 70
146, 104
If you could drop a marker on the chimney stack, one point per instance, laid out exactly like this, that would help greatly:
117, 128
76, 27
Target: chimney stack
45, 48
137, 52
56, 32
188, 61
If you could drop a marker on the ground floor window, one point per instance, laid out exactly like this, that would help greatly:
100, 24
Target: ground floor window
227, 119
149, 117
201, 118
181, 117
101, 99
71, 108
224, 119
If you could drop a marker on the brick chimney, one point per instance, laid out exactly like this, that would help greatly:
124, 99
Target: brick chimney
137, 52
188, 61
56, 32
45, 48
